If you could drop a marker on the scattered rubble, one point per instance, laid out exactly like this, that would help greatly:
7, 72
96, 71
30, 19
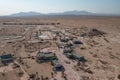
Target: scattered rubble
50, 51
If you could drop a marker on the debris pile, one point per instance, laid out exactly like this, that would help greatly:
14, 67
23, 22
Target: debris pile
94, 32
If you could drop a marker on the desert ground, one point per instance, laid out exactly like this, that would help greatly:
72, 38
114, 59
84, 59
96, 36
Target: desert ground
23, 38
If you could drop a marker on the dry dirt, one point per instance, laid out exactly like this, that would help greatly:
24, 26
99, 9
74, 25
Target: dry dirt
102, 52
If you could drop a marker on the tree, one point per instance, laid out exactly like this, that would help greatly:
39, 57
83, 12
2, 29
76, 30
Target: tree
3, 74
38, 78
42, 77
47, 78
78, 63
37, 74
52, 74
119, 76
62, 73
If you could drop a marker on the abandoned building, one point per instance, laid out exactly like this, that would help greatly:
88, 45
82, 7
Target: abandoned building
57, 66
75, 56
64, 39
78, 56
67, 50
6, 59
69, 45
46, 57
69, 55
61, 45
46, 35
77, 42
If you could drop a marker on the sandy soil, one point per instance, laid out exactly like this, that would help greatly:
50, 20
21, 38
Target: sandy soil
101, 52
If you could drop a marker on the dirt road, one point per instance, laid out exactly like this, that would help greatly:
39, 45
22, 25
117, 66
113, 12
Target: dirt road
69, 71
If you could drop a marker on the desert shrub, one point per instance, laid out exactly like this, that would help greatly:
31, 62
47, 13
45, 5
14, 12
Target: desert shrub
119, 76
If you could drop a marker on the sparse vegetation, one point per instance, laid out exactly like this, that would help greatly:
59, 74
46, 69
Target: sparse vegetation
98, 44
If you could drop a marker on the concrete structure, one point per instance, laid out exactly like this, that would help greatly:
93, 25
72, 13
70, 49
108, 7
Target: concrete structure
77, 41
45, 57
67, 50
69, 55
78, 56
64, 39
74, 55
69, 45
57, 66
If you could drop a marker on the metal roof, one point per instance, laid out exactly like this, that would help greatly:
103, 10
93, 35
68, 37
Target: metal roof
56, 63
6, 57
45, 54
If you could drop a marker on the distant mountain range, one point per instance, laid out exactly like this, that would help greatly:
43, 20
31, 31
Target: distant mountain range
75, 12
23, 14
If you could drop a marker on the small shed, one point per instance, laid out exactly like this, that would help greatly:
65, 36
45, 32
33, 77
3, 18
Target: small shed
75, 56
64, 39
77, 41
6, 59
57, 66
69, 55
67, 50
46, 56
78, 57
69, 46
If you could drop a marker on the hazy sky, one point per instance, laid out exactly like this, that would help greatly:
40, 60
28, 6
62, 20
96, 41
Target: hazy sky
48, 6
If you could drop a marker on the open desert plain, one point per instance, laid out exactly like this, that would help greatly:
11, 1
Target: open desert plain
60, 48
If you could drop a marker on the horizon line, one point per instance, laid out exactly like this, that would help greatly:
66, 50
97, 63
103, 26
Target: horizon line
59, 12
